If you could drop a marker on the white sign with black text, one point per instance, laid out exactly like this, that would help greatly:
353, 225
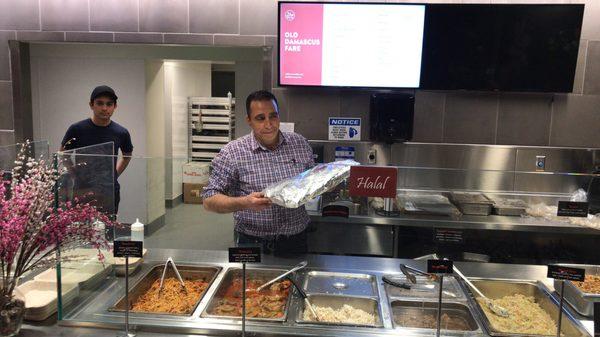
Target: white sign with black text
342, 128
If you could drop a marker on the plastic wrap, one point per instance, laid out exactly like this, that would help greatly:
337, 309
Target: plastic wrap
296, 191
549, 213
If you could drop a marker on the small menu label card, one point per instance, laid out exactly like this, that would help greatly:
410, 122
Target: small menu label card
566, 273
440, 267
128, 249
444, 235
335, 210
573, 208
244, 255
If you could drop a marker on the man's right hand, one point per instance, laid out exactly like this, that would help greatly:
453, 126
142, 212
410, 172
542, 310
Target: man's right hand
256, 201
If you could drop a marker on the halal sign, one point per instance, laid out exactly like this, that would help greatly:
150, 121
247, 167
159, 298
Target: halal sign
290, 15
373, 181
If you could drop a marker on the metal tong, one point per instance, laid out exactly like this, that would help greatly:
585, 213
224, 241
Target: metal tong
410, 271
496, 309
305, 297
391, 282
164, 273
295, 269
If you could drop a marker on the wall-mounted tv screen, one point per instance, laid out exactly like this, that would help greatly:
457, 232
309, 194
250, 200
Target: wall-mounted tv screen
502, 47
363, 45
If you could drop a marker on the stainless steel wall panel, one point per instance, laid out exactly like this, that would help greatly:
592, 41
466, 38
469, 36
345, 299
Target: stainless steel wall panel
478, 167
550, 183
557, 159
458, 156
458, 180
361, 151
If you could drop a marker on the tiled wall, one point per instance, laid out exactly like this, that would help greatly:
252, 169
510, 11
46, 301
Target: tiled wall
465, 117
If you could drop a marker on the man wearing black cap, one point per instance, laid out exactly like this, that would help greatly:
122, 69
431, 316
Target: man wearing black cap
100, 129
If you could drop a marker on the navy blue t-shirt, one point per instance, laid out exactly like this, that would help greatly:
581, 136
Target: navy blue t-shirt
86, 133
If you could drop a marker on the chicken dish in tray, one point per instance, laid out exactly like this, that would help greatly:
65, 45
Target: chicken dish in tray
268, 303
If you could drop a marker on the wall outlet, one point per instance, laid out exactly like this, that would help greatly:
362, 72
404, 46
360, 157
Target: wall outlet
540, 163
372, 157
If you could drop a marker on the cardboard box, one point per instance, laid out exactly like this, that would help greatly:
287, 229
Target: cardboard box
196, 173
192, 193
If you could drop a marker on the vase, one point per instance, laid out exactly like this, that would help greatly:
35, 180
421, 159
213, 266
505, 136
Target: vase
12, 311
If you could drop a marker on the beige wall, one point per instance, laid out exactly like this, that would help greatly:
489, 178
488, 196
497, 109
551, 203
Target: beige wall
532, 119
182, 80
155, 143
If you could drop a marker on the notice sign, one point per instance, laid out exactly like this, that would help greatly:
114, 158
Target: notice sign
373, 181
344, 128
344, 152
244, 255
566, 273
128, 249
440, 267
573, 208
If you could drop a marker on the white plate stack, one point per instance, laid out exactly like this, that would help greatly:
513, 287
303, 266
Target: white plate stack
41, 298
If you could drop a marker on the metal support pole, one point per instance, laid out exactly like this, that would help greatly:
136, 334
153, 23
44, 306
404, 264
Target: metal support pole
243, 299
560, 308
439, 313
127, 332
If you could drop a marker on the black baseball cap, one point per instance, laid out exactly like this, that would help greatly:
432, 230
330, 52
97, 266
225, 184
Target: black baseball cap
103, 90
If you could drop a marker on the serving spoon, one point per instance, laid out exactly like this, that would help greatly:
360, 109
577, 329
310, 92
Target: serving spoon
496, 309
305, 297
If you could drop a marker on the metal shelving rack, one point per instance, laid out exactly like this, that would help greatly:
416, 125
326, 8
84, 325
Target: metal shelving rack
211, 126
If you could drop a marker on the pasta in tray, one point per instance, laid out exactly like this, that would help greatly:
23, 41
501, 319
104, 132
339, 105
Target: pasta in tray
173, 298
525, 316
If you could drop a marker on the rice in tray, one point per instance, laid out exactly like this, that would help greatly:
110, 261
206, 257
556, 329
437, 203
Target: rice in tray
525, 316
346, 314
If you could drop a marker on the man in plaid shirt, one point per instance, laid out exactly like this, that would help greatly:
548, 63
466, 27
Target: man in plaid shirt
244, 167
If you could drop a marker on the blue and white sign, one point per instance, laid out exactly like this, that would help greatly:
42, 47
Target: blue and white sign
344, 152
344, 128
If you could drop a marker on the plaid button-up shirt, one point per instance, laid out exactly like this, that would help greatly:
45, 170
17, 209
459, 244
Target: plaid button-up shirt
244, 166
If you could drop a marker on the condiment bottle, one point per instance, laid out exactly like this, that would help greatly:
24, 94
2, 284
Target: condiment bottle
137, 231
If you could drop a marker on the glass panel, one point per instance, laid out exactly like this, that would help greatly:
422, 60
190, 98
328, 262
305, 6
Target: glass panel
87, 177
164, 195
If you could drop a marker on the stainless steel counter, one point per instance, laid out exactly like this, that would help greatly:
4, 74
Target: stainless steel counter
491, 222
91, 312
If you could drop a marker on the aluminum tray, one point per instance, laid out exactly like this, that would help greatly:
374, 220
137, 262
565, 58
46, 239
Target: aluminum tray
321, 282
417, 310
142, 286
582, 302
424, 289
370, 305
495, 288
509, 207
230, 275
472, 203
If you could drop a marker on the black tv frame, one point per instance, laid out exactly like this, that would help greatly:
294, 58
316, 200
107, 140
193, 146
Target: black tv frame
341, 3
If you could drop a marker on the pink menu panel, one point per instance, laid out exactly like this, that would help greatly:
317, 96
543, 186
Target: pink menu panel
301, 42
